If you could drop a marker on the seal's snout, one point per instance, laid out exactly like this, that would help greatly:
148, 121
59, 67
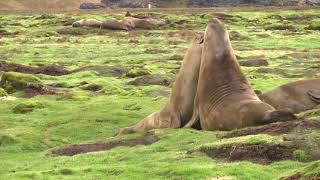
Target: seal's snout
215, 24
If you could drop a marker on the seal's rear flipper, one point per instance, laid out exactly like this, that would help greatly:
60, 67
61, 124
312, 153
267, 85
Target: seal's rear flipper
279, 115
314, 95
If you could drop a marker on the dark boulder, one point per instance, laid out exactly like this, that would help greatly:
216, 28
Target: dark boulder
92, 6
122, 4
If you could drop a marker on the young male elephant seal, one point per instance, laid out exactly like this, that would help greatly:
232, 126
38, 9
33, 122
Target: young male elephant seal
87, 23
224, 98
180, 107
298, 96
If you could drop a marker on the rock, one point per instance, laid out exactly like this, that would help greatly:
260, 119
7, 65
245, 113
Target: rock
259, 61
88, 5
150, 80
122, 4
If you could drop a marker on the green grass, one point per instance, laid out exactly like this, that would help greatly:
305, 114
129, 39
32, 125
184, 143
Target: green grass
75, 115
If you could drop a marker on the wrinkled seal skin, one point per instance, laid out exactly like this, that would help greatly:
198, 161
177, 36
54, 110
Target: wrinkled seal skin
298, 96
179, 109
147, 23
87, 23
224, 99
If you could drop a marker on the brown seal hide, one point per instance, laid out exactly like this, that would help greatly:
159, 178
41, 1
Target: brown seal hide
87, 23
224, 99
180, 107
298, 96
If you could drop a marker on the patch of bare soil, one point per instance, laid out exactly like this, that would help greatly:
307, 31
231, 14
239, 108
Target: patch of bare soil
254, 62
181, 33
260, 154
72, 150
52, 70
276, 71
293, 177
305, 55
237, 36
277, 128
157, 93
107, 71
299, 176
38, 89
223, 16
150, 80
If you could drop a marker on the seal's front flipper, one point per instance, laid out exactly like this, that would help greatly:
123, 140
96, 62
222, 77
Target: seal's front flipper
193, 123
279, 115
314, 95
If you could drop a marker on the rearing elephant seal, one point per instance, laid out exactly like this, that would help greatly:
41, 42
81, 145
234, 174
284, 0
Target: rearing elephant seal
180, 107
224, 98
299, 95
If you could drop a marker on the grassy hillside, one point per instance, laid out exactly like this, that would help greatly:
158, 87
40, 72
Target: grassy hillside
92, 103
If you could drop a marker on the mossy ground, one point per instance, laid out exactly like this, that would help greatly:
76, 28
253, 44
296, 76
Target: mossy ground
75, 115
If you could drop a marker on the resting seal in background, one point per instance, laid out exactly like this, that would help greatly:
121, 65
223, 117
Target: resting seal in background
180, 107
116, 25
148, 23
224, 99
87, 23
299, 95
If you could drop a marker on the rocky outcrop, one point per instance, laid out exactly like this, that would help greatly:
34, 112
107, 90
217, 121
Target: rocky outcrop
207, 3
92, 5
214, 3
122, 4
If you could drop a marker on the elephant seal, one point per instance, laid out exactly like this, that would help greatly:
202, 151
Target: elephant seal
179, 109
298, 96
87, 23
116, 25
224, 99
148, 23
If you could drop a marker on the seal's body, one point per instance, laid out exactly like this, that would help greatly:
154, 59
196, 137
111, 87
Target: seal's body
298, 96
179, 109
87, 23
224, 99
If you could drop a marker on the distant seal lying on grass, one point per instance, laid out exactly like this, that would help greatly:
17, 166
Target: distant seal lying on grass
148, 23
116, 25
299, 95
87, 23
179, 109
224, 99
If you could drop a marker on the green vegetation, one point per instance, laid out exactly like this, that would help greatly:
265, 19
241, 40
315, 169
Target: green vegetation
91, 105
3, 92
12, 81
